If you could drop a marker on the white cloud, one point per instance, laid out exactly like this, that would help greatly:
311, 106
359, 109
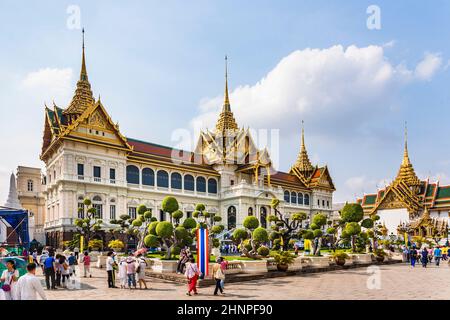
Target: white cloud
427, 68
360, 185
325, 87
49, 84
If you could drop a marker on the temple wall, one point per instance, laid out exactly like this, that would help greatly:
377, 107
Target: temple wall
392, 218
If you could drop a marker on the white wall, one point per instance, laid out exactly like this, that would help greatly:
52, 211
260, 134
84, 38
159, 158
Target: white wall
392, 218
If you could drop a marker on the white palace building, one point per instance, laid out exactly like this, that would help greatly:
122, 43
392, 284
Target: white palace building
86, 155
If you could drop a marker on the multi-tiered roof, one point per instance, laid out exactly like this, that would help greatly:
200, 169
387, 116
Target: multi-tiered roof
408, 191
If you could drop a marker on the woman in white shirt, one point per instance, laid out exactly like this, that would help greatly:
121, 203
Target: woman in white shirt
9, 279
123, 273
141, 265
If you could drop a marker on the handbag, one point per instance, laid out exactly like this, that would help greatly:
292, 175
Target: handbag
7, 287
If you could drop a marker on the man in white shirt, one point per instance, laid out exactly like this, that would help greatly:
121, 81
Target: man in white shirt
29, 285
110, 270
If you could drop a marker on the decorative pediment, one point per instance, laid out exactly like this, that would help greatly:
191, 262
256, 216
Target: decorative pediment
391, 201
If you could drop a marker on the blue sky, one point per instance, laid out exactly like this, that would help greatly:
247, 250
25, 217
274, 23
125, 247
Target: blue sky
158, 66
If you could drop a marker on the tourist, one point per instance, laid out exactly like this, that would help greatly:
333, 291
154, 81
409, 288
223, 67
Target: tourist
131, 271
123, 273
140, 271
218, 276
35, 257
64, 269
424, 257
76, 252
444, 252
9, 279
72, 262
86, 264
223, 265
192, 274
183, 258
29, 285
413, 256
110, 270
405, 254
437, 255
430, 254
49, 271
42, 259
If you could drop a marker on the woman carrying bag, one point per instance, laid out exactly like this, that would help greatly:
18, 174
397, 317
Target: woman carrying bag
192, 274
9, 280
218, 275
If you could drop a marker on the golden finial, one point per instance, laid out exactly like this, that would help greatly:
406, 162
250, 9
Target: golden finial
226, 103
405, 152
226, 119
303, 163
83, 97
83, 73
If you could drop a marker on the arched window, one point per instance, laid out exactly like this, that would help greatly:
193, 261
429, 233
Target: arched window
201, 184
148, 177
212, 186
231, 218
263, 217
287, 196
97, 204
175, 181
162, 179
307, 199
250, 211
294, 197
132, 174
188, 182
30, 185
300, 198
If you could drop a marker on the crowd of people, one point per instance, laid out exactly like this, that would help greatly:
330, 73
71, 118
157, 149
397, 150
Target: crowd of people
229, 248
425, 255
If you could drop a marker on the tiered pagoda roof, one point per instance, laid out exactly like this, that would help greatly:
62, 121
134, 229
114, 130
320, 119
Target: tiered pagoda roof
408, 191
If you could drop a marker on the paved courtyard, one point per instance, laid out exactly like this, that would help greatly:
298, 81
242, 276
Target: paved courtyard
386, 282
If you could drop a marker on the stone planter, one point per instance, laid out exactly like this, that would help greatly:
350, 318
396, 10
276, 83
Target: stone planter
315, 262
254, 266
361, 258
296, 265
163, 266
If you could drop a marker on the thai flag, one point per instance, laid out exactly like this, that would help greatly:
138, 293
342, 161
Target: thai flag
202, 251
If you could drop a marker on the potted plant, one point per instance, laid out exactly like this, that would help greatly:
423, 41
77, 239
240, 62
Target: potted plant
95, 244
116, 245
380, 255
340, 257
283, 259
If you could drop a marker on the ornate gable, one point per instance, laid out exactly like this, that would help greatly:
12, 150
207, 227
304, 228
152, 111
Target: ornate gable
96, 125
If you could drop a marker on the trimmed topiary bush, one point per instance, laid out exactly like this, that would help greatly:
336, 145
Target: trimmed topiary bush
164, 229
251, 223
189, 223
263, 251
260, 234
152, 227
169, 204
151, 241
352, 212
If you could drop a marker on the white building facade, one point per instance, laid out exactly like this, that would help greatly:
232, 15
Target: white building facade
86, 156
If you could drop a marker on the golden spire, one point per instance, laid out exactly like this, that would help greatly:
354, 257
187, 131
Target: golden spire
226, 121
83, 97
226, 102
406, 172
303, 163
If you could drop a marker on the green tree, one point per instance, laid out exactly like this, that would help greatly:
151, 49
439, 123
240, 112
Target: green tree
251, 238
315, 232
285, 228
90, 224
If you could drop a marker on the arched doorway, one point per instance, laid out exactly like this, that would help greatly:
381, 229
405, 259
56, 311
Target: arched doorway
263, 217
231, 217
